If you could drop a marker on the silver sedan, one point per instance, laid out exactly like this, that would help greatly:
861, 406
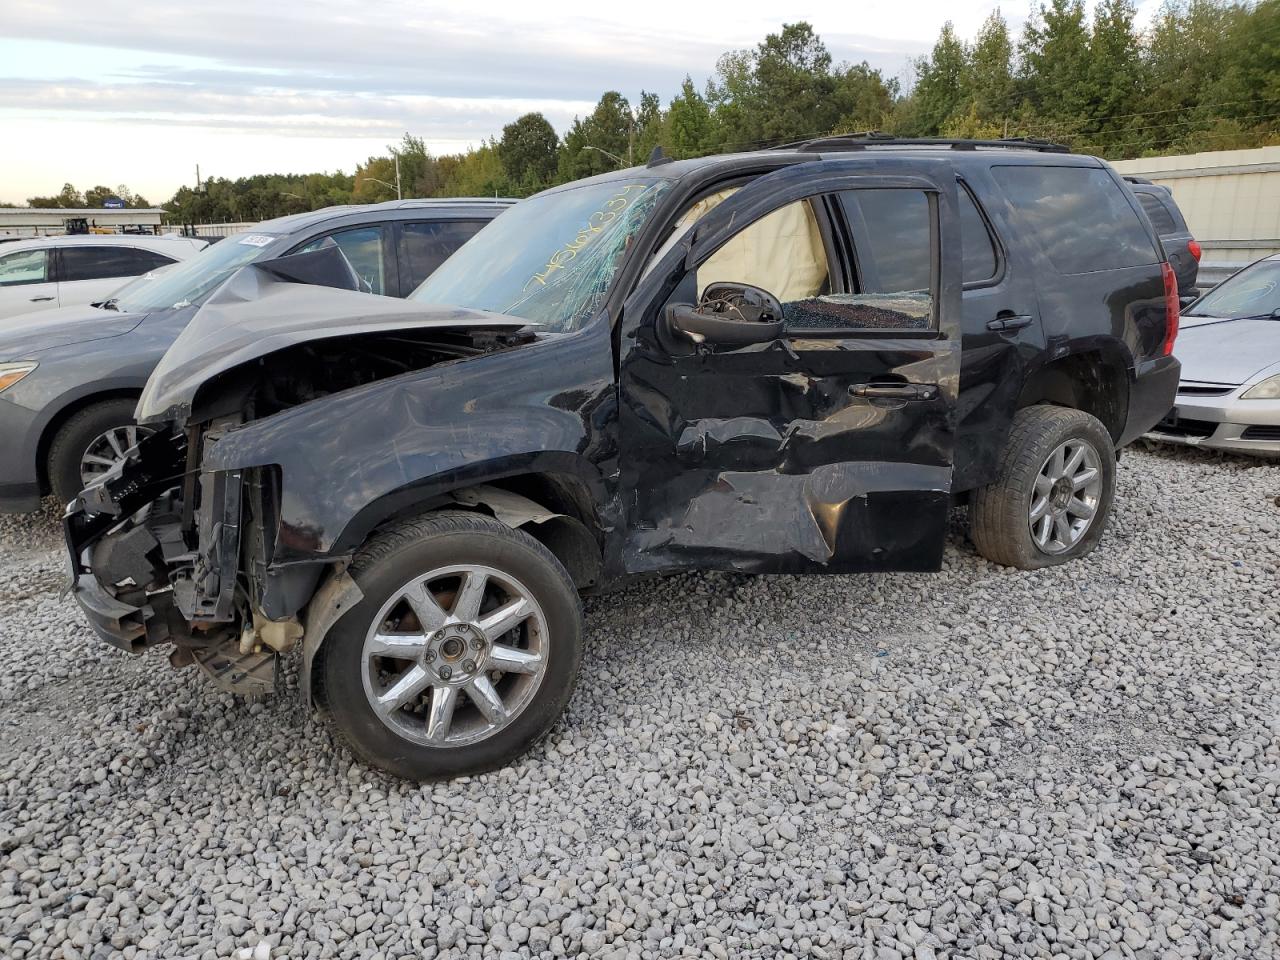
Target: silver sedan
1229, 345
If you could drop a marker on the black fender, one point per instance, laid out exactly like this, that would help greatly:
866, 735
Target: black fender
352, 460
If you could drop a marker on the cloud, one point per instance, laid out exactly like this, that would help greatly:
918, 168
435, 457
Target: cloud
396, 47
243, 85
335, 114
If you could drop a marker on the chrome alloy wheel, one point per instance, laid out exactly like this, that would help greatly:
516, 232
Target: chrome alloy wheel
1068, 491
107, 449
455, 655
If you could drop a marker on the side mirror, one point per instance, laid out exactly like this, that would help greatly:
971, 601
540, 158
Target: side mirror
731, 314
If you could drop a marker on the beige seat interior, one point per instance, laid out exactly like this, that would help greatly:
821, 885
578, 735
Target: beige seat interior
782, 253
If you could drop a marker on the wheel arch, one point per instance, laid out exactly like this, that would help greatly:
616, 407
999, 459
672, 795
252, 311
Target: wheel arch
1095, 381
555, 508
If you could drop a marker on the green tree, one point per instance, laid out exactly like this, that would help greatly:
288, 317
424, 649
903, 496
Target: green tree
1055, 60
476, 173
528, 153
690, 131
649, 126
795, 86
862, 98
941, 81
68, 196
1114, 75
991, 85
599, 142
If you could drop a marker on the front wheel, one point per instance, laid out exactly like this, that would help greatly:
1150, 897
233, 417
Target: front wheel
463, 652
1053, 491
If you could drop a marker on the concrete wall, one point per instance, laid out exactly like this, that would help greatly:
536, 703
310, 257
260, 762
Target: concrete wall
1231, 199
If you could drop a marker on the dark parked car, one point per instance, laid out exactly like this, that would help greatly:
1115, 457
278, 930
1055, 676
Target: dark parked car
787, 361
70, 377
1182, 249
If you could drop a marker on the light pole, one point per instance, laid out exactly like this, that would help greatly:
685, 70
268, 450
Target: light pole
612, 156
389, 186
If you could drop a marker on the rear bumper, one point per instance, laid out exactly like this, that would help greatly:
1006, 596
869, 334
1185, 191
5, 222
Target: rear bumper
1155, 384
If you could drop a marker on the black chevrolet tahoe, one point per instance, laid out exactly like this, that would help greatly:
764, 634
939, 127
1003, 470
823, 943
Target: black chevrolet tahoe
787, 361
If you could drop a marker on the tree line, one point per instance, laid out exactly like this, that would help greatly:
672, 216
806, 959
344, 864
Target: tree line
1204, 75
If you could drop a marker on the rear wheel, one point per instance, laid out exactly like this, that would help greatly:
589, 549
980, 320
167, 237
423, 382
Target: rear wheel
463, 652
89, 444
1053, 493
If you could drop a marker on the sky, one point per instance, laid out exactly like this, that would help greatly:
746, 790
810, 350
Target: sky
139, 92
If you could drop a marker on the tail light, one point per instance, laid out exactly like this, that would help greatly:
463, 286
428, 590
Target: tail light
1171, 308
1193, 248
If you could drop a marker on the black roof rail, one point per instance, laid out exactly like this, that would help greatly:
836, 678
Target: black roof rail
864, 139
1144, 180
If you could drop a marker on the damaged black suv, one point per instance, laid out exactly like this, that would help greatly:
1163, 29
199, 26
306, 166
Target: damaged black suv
785, 361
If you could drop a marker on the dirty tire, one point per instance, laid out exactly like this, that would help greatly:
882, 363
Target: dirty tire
391, 558
74, 437
998, 512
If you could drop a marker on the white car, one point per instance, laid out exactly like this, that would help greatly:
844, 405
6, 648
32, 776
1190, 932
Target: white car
46, 272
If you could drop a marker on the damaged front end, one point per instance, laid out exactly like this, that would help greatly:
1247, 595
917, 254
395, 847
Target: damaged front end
158, 549
174, 545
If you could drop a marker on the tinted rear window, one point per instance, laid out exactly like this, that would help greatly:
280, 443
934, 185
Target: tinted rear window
1080, 215
100, 263
1158, 213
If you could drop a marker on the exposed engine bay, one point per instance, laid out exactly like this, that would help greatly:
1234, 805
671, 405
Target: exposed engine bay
171, 551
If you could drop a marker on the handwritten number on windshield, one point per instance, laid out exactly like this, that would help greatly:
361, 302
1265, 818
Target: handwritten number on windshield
596, 224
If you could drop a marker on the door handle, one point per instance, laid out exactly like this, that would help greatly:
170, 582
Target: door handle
39, 299
1009, 321
895, 391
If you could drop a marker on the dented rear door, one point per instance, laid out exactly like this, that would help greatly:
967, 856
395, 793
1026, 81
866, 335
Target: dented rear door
829, 448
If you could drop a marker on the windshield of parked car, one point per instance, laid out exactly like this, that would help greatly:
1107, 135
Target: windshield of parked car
190, 281
549, 260
1253, 292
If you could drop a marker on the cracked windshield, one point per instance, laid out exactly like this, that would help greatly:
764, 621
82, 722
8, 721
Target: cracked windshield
549, 260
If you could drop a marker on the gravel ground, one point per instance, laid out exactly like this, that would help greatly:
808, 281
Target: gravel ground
1078, 762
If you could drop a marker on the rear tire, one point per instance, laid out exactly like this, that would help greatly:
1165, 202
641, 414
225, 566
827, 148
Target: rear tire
414, 577
1042, 511
77, 435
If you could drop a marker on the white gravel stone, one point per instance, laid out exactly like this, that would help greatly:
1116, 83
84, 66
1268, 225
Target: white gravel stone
1076, 762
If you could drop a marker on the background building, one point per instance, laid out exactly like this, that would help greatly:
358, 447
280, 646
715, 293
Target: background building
1231, 199
17, 222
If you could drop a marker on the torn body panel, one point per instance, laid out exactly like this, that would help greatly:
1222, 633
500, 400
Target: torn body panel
820, 450
817, 479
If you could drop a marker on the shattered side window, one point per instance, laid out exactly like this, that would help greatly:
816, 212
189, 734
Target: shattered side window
893, 249
551, 259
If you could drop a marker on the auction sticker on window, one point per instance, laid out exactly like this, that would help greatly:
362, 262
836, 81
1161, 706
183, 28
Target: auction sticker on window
256, 239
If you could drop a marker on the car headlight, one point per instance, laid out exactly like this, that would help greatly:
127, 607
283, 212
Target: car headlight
11, 373
1268, 389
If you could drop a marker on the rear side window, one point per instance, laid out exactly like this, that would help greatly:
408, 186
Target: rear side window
100, 263
24, 266
897, 224
1158, 214
1080, 215
426, 245
979, 250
